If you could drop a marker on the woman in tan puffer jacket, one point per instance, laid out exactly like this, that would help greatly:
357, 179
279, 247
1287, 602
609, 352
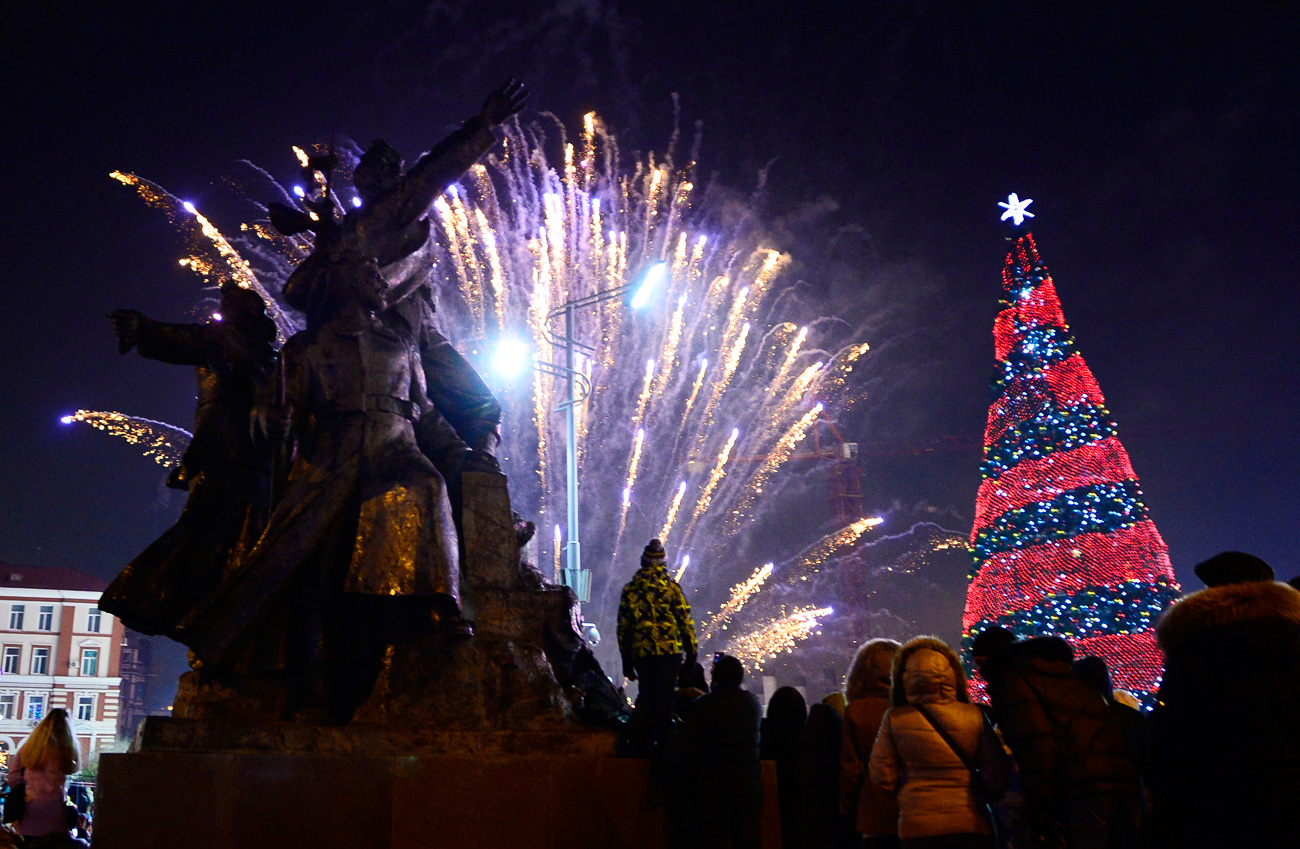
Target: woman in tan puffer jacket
875, 813
939, 804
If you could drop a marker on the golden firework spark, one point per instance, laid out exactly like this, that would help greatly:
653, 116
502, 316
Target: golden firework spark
555, 552
163, 443
672, 512
779, 454
227, 265
740, 594
781, 635
719, 469
812, 558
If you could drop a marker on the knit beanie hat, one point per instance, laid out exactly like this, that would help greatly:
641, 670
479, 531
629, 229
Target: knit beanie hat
653, 554
1233, 567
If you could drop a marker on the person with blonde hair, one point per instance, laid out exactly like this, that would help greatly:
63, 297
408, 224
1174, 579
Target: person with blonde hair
39, 775
866, 689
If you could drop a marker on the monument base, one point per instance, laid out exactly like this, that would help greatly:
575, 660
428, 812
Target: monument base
165, 799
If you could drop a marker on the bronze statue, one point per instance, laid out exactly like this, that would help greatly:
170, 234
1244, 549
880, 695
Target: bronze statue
226, 474
392, 228
364, 518
360, 549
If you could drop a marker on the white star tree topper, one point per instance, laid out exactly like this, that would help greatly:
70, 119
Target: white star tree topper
1016, 209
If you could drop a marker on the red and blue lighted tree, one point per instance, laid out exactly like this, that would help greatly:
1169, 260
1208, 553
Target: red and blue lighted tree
1062, 542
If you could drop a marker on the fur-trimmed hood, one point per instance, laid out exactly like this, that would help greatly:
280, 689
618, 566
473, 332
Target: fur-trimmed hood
870, 673
901, 678
1230, 604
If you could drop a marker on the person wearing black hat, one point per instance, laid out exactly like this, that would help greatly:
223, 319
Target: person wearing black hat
1224, 749
655, 632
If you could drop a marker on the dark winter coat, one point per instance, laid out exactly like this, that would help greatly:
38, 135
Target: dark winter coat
818, 775
720, 746
1059, 727
1224, 744
937, 793
867, 690
779, 741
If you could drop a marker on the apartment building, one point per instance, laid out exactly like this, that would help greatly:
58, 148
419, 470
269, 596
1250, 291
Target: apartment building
57, 650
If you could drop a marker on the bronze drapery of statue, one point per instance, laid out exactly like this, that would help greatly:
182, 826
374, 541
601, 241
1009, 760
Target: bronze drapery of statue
362, 536
228, 477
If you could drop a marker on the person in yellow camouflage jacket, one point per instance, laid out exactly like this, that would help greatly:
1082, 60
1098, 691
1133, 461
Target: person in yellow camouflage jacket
655, 634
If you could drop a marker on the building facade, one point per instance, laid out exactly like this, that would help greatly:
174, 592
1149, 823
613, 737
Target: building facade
58, 650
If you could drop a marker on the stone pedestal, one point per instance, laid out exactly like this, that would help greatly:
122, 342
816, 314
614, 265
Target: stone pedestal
463, 742
165, 800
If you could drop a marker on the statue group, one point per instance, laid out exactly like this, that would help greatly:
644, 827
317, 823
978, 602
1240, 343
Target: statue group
324, 525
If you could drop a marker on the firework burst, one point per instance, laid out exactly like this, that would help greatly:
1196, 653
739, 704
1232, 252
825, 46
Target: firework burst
696, 401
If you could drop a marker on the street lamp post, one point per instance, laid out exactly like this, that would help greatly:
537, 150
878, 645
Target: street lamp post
575, 577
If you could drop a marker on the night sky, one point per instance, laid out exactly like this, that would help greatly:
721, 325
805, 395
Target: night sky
1157, 141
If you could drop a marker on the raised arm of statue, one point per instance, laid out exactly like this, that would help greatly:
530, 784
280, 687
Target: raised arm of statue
452, 157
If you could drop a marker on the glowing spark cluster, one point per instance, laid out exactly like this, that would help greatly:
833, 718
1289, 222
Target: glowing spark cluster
740, 594
163, 443
780, 635
672, 512
211, 256
812, 558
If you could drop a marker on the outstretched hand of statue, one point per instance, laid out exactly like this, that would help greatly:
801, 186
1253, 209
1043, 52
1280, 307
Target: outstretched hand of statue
126, 324
504, 103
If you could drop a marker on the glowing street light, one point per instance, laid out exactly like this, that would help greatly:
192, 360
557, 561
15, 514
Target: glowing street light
511, 358
651, 279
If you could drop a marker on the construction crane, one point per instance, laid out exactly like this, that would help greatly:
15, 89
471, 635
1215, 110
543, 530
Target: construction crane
845, 479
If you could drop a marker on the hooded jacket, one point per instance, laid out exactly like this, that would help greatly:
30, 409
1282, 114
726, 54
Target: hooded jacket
937, 794
1224, 748
653, 616
867, 691
1065, 739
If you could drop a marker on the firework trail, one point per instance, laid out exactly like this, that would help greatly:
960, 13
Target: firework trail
163, 443
697, 400
740, 594
779, 635
211, 255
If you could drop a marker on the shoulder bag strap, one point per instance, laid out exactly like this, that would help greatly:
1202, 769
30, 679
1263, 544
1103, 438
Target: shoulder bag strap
947, 738
977, 779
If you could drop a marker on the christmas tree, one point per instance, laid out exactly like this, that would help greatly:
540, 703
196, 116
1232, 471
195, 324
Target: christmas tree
1063, 544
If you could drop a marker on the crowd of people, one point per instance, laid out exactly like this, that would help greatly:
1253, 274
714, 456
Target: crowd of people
1056, 759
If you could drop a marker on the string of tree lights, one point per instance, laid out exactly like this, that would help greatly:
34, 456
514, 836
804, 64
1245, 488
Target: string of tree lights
1062, 543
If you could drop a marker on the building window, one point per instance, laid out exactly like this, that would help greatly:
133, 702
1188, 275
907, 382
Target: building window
41, 660
8, 705
85, 708
16, 617
35, 708
90, 662
92, 620
13, 659
45, 620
